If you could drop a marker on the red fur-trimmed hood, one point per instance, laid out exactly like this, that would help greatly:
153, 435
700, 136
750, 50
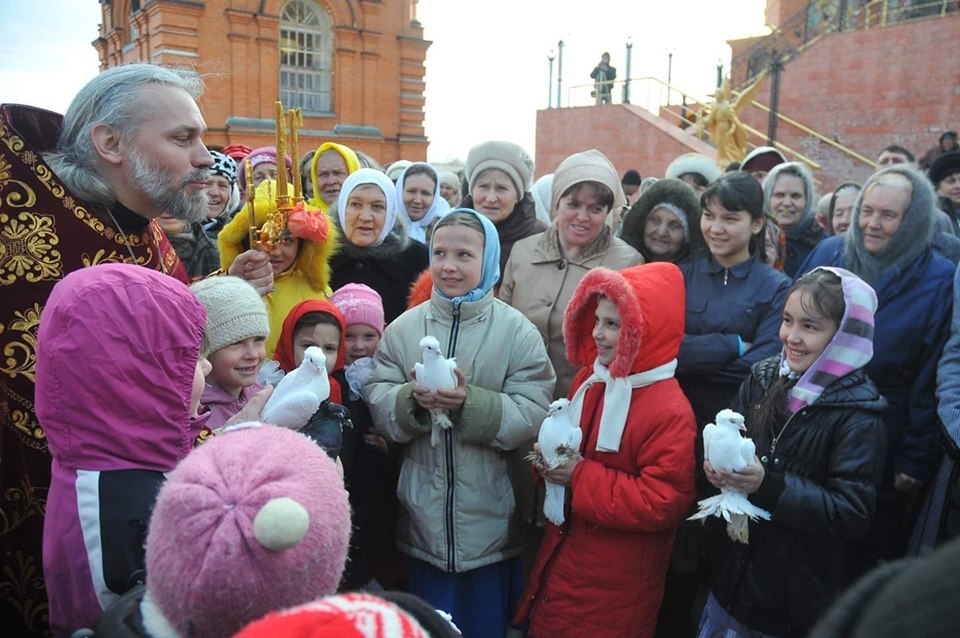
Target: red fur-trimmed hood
421, 290
651, 302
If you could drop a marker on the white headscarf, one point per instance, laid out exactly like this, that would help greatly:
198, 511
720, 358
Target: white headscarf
417, 229
363, 177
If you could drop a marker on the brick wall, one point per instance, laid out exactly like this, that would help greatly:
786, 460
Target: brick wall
628, 135
867, 89
378, 68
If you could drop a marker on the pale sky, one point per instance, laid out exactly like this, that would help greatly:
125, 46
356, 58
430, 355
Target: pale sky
487, 70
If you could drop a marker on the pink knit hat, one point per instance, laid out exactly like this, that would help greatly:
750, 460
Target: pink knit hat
255, 520
347, 616
360, 304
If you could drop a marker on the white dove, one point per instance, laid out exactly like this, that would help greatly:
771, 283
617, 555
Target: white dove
727, 450
435, 373
559, 441
299, 394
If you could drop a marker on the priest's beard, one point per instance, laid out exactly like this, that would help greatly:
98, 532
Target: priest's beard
174, 200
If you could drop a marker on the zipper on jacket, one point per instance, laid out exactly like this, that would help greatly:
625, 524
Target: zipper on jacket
448, 450
776, 439
726, 274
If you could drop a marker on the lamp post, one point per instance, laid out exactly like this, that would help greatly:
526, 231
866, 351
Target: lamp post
669, 74
550, 57
775, 67
559, 72
626, 81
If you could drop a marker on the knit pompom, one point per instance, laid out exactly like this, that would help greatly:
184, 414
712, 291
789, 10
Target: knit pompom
281, 524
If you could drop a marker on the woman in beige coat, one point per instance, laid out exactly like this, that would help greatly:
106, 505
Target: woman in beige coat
544, 270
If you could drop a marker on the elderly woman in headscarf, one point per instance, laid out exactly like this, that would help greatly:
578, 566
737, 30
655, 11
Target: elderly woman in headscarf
374, 248
541, 197
889, 245
698, 171
263, 160
419, 198
840, 209
664, 224
544, 269
329, 168
499, 176
450, 188
790, 196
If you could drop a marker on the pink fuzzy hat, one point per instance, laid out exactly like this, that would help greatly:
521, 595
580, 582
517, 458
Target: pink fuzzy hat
360, 304
255, 520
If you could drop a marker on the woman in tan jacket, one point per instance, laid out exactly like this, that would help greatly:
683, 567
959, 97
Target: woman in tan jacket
544, 270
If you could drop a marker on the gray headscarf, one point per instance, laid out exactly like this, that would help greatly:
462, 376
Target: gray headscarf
809, 190
911, 240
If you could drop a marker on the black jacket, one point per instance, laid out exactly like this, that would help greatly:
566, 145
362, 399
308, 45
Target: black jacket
820, 487
388, 269
800, 243
370, 475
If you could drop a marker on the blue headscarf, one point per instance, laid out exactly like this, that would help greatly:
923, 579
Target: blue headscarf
490, 274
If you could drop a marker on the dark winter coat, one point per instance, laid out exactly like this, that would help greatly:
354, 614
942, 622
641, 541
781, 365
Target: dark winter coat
800, 242
197, 251
820, 485
521, 223
388, 269
912, 322
670, 191
722, 304
370, 475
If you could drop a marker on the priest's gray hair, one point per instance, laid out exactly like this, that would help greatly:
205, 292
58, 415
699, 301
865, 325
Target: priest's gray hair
109, 98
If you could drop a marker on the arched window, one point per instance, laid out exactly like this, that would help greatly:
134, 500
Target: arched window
306, 57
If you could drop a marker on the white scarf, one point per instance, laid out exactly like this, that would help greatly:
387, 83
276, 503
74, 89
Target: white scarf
616, 400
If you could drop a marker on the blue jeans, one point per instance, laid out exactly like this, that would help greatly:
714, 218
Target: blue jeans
717, 623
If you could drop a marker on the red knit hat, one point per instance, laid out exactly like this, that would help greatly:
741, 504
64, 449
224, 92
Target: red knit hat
347, 616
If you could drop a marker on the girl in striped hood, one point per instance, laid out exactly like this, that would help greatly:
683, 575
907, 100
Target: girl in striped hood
815, 418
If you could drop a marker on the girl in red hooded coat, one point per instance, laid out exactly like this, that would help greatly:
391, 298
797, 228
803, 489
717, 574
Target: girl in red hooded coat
601, 571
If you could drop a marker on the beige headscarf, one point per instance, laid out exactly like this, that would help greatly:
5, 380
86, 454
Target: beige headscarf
588, 166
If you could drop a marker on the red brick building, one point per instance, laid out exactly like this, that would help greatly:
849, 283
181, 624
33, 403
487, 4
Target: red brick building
355, 67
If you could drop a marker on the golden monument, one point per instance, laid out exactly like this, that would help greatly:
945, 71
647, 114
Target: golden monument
722, 120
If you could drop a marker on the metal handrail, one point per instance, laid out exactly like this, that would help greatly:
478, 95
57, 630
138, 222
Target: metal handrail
820, 136
696, 102
615, 83
783, 147
900, 14
824, 17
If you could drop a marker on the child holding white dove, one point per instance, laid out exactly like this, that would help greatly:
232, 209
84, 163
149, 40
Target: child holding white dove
601, 572
814, 416
458, 520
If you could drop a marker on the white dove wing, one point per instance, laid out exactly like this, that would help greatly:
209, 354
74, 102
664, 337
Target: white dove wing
708, 431
418, 373
725, 450
287, 385
548, 440
747, 451
295, 410
575, 437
